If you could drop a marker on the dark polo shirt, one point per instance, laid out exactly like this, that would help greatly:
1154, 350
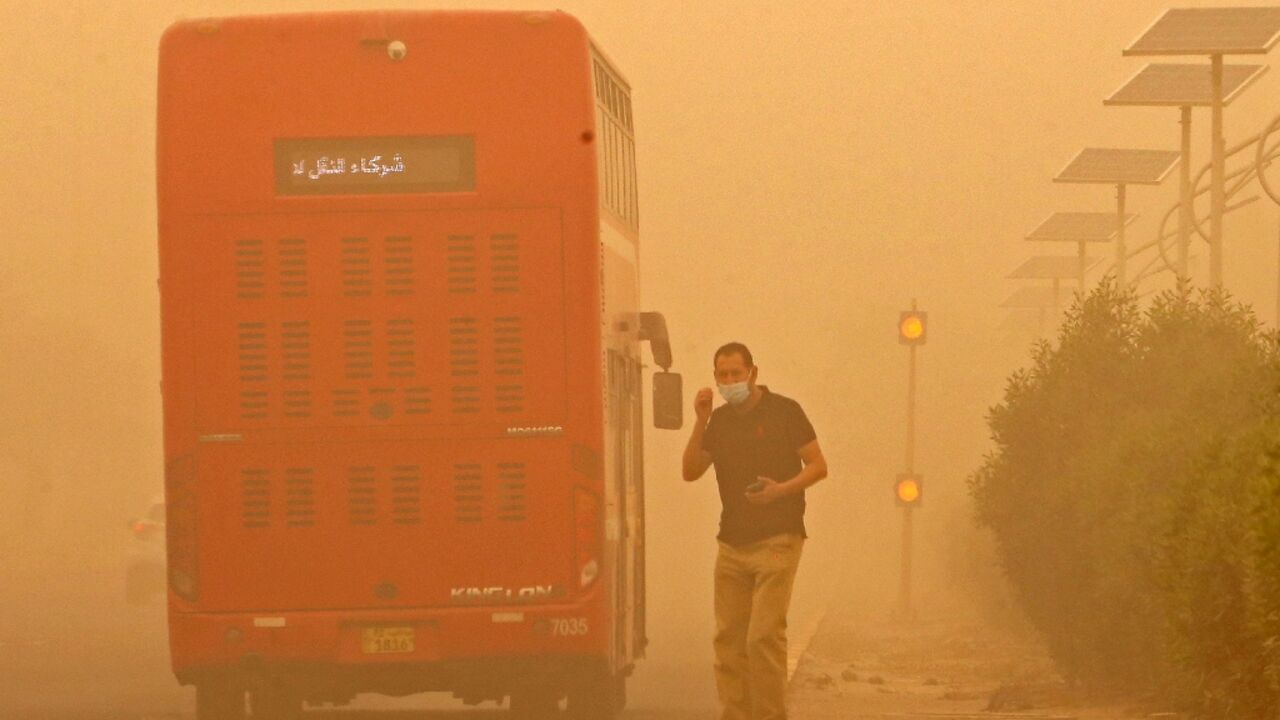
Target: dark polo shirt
760, 442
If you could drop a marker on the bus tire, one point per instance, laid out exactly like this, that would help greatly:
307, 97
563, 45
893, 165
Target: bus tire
602, 696
219, 701
274, 703
534, 703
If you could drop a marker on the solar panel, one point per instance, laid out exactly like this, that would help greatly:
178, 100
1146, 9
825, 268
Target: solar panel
1119, 167
1050, 267
1176, 85
1036, 297
1079, 227
1210, 31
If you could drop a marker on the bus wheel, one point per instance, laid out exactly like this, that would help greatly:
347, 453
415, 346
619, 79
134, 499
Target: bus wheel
270, 703
534, 703
217, 701
600, 697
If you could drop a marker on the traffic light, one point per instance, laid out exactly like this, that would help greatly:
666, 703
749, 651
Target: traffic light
908, 490
912, 325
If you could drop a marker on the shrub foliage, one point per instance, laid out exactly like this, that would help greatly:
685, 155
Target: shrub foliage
1134, 493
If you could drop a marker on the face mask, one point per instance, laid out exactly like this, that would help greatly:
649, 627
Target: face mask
735, 394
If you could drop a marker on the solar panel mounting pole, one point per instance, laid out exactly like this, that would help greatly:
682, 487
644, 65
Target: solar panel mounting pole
1055, 269
1218, 193
1221, 84
1120, 168
1186, 86
1078, 228
1186, 212
1120, 223
1216, 32
1083, 265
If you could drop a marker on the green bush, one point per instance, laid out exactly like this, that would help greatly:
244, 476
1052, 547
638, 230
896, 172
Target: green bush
1205, 559
1263, 587
1106, 493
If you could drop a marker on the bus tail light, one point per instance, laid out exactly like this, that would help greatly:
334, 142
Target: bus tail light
180, 527
586, 520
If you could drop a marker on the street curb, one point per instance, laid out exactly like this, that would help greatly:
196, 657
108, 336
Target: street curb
802, 640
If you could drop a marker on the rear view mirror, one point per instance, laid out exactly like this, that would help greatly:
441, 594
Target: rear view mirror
668, 401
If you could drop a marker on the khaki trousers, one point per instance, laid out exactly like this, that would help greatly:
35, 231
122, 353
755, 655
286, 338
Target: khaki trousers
752, 592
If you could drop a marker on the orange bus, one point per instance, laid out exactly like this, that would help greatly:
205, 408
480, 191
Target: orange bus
401, 361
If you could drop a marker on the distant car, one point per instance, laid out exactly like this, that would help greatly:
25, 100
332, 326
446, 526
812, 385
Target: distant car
145, 572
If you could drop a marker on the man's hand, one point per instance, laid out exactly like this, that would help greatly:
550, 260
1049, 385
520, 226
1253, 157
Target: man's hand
767, 490
696, 460
702, 405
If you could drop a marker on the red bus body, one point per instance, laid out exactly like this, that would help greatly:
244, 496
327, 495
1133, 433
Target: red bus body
401, 398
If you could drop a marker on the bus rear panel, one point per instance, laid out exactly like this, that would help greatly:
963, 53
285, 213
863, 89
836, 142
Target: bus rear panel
380, 268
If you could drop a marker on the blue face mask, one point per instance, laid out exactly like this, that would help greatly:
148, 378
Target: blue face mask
735, 394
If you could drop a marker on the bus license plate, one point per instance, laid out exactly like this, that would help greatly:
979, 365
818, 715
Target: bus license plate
377, 640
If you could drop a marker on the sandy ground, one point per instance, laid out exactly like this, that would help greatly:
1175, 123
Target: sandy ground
860, 663
868, 664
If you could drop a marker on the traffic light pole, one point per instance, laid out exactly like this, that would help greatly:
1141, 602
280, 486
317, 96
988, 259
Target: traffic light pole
911, 408
904, 588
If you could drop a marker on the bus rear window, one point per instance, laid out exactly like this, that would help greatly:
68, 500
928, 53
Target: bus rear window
375, 165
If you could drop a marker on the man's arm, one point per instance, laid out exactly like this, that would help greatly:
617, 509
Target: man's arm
696, 460
815, 468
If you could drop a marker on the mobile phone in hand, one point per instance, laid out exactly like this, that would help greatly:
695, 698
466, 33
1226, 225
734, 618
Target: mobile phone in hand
755, 487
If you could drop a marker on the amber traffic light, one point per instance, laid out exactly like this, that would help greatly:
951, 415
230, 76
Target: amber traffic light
908, 490
912, 326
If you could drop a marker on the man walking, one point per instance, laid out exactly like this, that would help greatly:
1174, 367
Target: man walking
766, 453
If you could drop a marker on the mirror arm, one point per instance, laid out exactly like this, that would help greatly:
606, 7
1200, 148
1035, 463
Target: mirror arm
653, 328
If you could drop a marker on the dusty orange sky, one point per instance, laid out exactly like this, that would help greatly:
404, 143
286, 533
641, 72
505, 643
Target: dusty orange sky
805, 171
